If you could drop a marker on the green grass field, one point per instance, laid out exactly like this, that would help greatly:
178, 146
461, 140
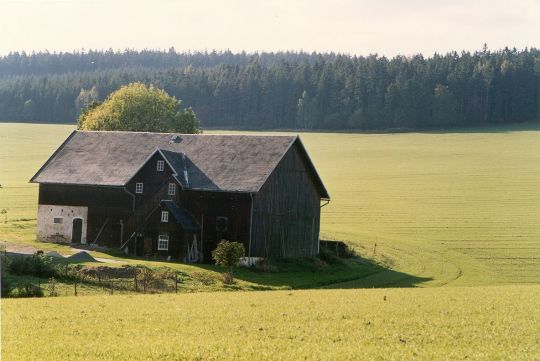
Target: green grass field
450, 323
444, 209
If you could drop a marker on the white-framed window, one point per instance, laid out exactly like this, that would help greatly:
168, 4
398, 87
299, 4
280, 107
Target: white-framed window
160, 165
163, 242
172, 189
138, 188
58, 220
164, 216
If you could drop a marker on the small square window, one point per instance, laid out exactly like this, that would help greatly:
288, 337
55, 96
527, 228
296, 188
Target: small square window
58, 220
164, 216
172, 189
160, 165
163, 242
138, 188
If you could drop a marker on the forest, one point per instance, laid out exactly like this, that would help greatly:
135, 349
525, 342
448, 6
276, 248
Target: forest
285, 90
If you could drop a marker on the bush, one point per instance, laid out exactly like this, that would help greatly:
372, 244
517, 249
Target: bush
6, 286
227, 278
228, 253
264, 265
204, 278
27, 290
328, 256
36, 265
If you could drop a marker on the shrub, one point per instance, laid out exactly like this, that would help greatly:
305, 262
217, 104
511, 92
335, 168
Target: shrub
146, 277
204, 278
51, 287
227, 278
36, 265
6, 285
27, 290
265, 265
328, 256
228, 253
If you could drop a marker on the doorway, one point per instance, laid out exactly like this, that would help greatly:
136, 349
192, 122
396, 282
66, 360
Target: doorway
76, 233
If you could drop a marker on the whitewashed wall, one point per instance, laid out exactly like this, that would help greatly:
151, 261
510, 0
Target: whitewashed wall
48, 231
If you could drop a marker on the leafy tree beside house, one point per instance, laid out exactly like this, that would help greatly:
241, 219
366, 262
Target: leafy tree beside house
228, 254
138, 107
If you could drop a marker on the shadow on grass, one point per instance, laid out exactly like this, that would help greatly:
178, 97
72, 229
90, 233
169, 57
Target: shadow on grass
310, 273
354, 272
304, 273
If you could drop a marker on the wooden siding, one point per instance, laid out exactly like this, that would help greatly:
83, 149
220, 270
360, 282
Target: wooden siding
107, 206
152, 179
286, 211
207, 206
152, 230
101, 199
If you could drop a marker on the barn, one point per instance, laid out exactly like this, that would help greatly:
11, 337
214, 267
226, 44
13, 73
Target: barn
176, 196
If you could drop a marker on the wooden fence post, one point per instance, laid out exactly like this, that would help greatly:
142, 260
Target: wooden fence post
135, 282
176, 283
75, 285
144, 284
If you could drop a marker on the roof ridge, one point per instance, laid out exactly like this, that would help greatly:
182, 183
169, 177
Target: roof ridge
187, 134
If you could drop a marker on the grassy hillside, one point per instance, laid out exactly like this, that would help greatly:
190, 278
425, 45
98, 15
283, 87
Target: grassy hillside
479, 323
442, 208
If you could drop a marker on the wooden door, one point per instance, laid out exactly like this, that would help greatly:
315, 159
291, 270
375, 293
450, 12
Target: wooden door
147, 246
76, 232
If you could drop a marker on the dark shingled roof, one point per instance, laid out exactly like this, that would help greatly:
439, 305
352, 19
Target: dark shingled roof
239, 163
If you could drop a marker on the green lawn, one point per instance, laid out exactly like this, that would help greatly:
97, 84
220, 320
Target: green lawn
457, 208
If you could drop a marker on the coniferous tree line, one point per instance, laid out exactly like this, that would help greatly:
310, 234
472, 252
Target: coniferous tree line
286, 90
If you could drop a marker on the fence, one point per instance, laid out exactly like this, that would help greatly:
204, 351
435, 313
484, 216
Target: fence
68, 282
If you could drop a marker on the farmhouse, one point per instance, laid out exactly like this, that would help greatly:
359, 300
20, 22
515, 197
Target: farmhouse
176, 196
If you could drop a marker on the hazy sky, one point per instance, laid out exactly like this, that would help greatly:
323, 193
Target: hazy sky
361, 27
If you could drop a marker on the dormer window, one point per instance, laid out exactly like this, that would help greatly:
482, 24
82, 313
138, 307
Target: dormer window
172, 189
164, 216
160, 165
138, 188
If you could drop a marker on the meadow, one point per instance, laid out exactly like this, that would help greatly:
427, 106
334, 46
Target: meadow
456, 208
452, 323
423, 210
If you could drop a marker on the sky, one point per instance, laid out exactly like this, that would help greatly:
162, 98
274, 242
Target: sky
361, 27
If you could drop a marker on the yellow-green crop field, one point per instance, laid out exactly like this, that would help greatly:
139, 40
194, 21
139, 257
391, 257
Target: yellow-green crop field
460, 210
453, 323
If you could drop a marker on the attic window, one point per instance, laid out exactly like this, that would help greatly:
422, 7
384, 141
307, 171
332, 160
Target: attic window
138, 188
58, 220
163, 242
160, 165
164, 216
172, 189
